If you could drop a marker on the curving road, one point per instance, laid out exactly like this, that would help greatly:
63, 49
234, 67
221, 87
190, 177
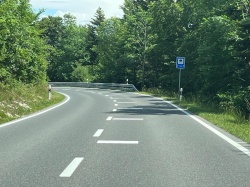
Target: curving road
114, 139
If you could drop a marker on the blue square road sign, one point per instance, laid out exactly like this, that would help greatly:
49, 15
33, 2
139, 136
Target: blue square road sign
180, 62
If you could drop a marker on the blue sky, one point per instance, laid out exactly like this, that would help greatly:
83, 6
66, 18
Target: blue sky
83, 10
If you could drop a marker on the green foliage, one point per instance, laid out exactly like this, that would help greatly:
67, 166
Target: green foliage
53, 29
236, 100
214, 56
99, 18
22, 51
212, 35
141, 47
67, 43
81, 74
139, 39
112, 65
91, 39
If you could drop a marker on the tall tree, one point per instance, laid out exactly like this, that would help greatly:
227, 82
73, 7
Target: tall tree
53, 30
73, 45
23, 52
112, 63
92, 42
68, 46
168, 25
138, 22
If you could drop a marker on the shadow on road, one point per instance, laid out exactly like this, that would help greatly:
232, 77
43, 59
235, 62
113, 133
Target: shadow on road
154, 108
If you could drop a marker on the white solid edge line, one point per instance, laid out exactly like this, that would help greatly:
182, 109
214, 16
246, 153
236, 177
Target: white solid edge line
116, 142
98, 133
224, 137
36, 114
69, 170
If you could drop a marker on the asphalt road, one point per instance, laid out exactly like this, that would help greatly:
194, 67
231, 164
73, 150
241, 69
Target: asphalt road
114, 139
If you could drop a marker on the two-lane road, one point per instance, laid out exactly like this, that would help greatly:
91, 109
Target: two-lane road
112, 138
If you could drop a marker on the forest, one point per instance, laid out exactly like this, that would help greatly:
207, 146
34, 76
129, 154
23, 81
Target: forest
142, 46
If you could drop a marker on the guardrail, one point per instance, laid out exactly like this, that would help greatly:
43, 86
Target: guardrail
123, 87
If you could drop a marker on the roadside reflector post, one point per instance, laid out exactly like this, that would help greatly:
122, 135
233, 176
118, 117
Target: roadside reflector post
181, 90
49, 90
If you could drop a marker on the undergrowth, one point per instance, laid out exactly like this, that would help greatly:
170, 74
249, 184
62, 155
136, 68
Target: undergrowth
18, 100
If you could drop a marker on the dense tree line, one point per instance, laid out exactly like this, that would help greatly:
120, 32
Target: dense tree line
212, 35
141, 47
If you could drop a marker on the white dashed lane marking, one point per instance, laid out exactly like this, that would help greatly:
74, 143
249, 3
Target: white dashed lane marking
116, 142
98, 133
127, 119
109, 118
69, 170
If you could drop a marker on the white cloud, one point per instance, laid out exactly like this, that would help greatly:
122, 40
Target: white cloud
81, 17
83, 10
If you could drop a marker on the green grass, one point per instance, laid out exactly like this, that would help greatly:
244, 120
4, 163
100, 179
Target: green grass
19, 100
230, 121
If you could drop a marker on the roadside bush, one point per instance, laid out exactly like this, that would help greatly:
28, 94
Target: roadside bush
236, 102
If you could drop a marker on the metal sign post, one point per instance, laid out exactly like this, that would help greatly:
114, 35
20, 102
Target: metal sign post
180, 64
179, 80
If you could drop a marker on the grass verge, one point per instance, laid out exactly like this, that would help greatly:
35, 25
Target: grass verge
19, 100
230, 121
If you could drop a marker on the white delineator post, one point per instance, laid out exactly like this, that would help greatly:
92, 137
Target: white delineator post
181, 90
49, 90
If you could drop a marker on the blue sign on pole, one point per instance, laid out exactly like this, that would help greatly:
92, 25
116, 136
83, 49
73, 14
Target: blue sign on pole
180, 62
